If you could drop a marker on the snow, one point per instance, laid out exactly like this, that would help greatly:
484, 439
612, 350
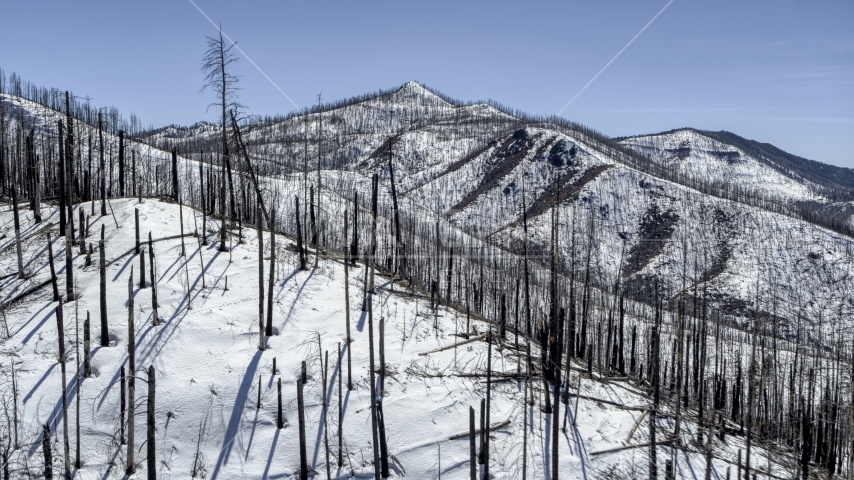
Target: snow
697, 156
209, 368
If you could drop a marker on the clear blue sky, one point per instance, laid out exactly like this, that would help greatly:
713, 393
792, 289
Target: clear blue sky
775, 71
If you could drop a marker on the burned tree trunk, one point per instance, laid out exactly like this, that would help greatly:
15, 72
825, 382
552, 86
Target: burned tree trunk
151, 458
347, 306
300, 247
18, 232
105, 335
280, 424
69, 264
48, 454
175, 173
61, 176
155, 320
60, 330
102, 167
272, 278
261, 339
472, 447
354, 245
303, 457
121, 162
52, 268
130, 467
87, 345
204, 206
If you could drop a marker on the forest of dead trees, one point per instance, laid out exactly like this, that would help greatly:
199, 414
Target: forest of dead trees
784, 383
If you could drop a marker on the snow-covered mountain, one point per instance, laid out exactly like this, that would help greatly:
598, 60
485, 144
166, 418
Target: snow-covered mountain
728, 239
647, 199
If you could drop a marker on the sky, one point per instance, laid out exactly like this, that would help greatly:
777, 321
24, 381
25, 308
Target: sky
776, 71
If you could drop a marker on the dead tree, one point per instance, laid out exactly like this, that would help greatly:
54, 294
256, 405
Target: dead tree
60, 331
102, 167
69, 263
300, 247
261, 342
340, 408
48, 454
400, 249
272, 279
68, 172
122, 405
105, 334
52, 269
347, 305
354, 245
61, 176
121, 162
155, 320
87, 342
326, 415
202, 199
303, 457
175, 173
280, 424
17, 232
472, 447
151, 458
655, 364
369, 304
131, 379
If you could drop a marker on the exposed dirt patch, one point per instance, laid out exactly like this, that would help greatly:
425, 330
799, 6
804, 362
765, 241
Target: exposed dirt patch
567, 190
509, 155
655, 229
722, 225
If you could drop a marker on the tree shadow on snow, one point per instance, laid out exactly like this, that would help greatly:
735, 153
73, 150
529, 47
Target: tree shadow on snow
236, 414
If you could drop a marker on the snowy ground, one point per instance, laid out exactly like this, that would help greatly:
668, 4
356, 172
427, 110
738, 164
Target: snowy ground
209, 369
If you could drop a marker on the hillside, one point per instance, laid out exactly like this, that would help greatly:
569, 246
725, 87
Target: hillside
209, 369
640, 287
476, 166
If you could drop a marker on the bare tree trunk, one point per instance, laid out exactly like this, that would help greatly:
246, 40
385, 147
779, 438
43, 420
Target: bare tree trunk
299, 237
379, 436
261, 339
121, 162
87, 342
155, 320
105, 334
280, 424
303, 458
472, 447
130, 468
354, 245
202, 199
175, 173
69, 264
60, 330
102, 168
272, 278
122, 406
151, 458
48, 454
18, 232
52, 269
326, 415
340, 408
61, 176
347, 305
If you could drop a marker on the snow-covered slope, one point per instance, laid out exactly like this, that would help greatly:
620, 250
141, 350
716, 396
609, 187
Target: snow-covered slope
697, 156
209, 370
478, 167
